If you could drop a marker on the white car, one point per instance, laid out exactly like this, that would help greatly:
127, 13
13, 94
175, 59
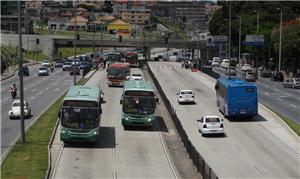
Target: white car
43, 71
136, 76
247, 67
225, 63
46, 63
186, 96
15, 111
210, 125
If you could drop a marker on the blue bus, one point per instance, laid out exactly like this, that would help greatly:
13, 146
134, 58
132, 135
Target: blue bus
236, 97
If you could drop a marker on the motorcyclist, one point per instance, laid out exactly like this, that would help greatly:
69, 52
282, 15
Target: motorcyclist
13, 91
51, 67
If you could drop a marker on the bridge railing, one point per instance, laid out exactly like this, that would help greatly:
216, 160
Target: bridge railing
202, 166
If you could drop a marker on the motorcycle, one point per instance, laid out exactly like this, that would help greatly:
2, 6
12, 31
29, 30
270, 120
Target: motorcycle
13, 93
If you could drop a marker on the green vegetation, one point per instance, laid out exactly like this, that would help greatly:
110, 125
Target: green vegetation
269, 20
176, 27
294, 126
27, 54
66, 52
31, 159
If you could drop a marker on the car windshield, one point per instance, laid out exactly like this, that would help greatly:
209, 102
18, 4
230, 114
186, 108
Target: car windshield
136, 75
80, 118
67, 63
139, 105
43, 68
16, 104
212, 119
297, 80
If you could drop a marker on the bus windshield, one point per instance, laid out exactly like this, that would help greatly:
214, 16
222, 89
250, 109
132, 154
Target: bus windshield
79, 118
116, 72
139, 105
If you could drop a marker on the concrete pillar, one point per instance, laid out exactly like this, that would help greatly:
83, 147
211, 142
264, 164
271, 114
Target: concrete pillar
149, 54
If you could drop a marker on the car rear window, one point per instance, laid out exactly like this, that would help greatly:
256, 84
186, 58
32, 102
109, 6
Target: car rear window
43, 68
136, 75
209, 120
16, 104
297, 80
186, 92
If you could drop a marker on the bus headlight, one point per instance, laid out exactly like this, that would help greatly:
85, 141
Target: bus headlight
149, 120
95, 132
63, 131
126, 118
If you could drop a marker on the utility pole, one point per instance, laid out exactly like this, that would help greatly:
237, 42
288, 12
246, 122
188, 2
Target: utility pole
280, 39
35, 37
94, 28
240, 36
75, 43
229, 40
21, 74
101, 38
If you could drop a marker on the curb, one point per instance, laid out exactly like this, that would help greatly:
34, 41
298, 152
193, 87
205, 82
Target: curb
279, 119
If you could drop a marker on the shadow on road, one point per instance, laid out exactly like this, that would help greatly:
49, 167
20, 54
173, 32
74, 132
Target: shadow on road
257, 118
157, 125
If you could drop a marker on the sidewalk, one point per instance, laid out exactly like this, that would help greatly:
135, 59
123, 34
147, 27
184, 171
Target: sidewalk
10, 71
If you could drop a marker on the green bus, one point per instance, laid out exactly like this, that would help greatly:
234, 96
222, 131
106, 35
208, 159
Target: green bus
138, 104
80, 114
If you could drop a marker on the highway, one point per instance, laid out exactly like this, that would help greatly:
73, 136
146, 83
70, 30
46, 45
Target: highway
272, 94
134, 153
39, 91
259, 148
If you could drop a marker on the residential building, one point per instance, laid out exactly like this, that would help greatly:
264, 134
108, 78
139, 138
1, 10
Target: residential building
192, 12
136, 16
120, 27
81, 23
9, 17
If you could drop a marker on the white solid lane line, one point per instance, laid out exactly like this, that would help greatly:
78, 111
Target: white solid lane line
279, 99
32, 98
294, 106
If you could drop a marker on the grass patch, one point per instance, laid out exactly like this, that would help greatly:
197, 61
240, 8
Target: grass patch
31, 159
66, 52
27, 54
294, 126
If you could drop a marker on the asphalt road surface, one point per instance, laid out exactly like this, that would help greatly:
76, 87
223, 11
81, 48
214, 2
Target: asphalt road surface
261, 147
134, 153
39, 92
284, 100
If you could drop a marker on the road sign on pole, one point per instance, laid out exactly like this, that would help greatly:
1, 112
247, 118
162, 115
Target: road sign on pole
218, 39
254, 40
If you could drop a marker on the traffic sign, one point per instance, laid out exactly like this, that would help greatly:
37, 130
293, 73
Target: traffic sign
254, 40
220, 39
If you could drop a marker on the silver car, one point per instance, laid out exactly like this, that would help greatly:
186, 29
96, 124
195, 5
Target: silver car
43, 71
250, 76
291, 83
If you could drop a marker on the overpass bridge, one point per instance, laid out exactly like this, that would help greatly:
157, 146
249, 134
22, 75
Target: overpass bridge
148, 44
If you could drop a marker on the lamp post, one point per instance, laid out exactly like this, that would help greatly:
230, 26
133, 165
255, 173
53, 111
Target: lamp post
280, 39
21, 74
75, 43
229, 35
257, 20
240, 36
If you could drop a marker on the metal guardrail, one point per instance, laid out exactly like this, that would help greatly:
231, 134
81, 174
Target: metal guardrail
202, 167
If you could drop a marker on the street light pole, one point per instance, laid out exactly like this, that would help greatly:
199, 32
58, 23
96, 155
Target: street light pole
280, 40
240, 36
75, 43
257, 21
101, 37
229, 36
94, 41
21, 74
35, 36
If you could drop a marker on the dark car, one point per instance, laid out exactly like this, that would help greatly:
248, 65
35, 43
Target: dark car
156, 59
59, 64
25, 71
265, 73
75, 69
277, 76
